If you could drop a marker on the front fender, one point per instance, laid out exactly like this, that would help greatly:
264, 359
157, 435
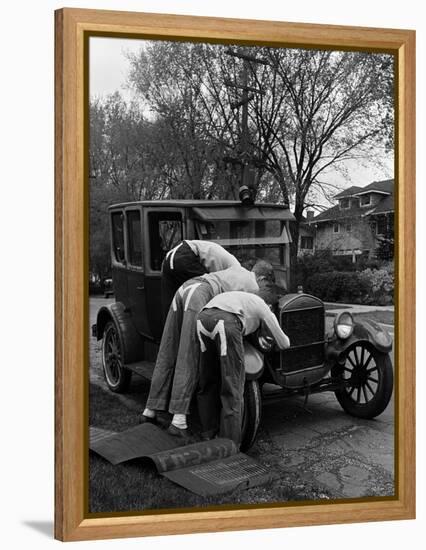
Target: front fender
131, 341
253, 361
365, 330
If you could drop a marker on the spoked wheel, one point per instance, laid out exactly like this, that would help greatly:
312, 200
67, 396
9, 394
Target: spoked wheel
367, 381
117, 377
251, 414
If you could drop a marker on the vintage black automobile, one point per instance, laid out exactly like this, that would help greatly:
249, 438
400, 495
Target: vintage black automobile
352, 359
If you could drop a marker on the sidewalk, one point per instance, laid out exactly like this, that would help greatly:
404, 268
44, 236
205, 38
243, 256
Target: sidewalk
333, 309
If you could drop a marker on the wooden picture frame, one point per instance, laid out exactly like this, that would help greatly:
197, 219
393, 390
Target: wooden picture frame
73, 26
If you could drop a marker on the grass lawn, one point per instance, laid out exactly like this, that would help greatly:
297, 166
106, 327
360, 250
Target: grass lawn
136, 485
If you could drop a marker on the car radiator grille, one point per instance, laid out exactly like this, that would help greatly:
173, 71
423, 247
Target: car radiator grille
305, 328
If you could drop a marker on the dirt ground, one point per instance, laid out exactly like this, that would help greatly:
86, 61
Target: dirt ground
317, 452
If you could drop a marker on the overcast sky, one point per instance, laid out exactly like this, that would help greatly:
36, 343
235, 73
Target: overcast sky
108, 72
108, 64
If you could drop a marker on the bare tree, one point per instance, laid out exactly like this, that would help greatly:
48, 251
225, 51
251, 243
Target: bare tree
166, 76
319, 110
292, 115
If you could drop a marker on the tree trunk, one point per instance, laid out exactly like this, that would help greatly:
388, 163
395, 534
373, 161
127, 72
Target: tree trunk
294, 246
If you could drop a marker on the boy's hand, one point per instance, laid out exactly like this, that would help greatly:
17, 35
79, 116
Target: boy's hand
266, 343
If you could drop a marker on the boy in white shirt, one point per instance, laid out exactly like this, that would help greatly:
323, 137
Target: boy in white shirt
191, 259
221, 326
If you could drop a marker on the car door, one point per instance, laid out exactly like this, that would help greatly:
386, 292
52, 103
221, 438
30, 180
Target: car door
136, 290
118, 255
164, 229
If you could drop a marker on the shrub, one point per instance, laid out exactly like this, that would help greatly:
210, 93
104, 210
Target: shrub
380, 283
335, 278
323, 261
338, 286
371, 286
365, 262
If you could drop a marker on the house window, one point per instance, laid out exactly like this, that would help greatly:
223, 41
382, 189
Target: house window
365, 200
336, 228
345, 203
307, 243
348, 227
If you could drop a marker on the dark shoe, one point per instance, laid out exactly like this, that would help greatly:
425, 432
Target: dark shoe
183, 435
147, 419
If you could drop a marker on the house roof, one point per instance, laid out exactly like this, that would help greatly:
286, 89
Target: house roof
349, 192
335, 213
384, 186
386, 204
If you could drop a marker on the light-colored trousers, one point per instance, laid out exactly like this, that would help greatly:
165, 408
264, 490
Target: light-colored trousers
175, 376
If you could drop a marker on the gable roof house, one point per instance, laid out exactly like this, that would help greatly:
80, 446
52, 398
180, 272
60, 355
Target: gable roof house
361, 217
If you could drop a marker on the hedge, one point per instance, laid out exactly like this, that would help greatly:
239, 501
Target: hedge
337, 286
371, 286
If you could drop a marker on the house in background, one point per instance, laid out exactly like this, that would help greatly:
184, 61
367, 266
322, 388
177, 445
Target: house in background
355, 226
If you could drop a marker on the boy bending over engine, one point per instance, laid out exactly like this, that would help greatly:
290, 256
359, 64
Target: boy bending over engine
191, 259
221, 326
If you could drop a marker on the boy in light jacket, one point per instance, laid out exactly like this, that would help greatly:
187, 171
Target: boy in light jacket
221, 326
191, 259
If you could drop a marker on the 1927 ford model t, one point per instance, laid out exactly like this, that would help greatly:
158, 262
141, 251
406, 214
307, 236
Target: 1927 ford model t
352, 359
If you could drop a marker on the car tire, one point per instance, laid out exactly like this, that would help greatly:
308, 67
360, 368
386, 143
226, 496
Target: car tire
367, 381
252, 410
116, 375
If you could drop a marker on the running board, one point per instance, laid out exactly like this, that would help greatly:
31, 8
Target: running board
142, 368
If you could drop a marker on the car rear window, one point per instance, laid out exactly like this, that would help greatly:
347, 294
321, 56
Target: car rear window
134, 237
118, 236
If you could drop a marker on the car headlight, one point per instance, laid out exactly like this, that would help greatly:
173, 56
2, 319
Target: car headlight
344, 325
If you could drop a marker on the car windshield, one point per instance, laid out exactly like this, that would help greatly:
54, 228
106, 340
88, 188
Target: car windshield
248, 256
250, 240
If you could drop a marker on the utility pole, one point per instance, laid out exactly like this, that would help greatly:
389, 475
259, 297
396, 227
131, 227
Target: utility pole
244, 159
244, 127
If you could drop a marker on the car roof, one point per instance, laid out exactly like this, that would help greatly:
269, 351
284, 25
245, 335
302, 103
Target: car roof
219, 210
189, 202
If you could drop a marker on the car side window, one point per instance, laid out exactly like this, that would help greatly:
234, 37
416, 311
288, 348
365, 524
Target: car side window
165, 232
134, 237
117, 221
